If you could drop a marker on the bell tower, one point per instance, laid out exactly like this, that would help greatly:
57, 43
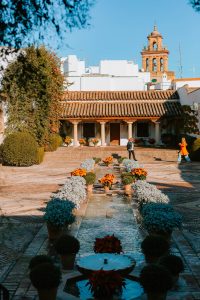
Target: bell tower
155, 57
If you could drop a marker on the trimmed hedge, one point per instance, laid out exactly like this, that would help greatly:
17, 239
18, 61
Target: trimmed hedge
19, 149
55, 140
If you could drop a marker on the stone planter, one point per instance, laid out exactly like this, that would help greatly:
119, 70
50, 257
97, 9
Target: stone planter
68, 261
54, 231
90, 188
49, 294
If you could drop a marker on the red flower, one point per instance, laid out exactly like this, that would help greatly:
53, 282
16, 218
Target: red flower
105, 283
108, 244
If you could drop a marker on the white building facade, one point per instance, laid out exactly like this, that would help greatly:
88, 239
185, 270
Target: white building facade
109, 75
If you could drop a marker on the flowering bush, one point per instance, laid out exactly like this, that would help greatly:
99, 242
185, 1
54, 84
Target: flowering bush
82, 141
59, 212
108, 160
107, 180
88, 164
104, 284
130, 164
68, 140
108, 244
94, 141
161, 220
79, 172
146, 192
73, 190
149, 207
139, 173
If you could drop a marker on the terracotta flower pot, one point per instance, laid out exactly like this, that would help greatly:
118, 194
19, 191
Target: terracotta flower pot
54, 231
49, 294
106, 188
90, 188
127, 188
68, 261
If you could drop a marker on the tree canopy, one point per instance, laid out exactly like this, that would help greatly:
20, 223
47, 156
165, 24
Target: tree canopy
195, 4
32, 87
20, 20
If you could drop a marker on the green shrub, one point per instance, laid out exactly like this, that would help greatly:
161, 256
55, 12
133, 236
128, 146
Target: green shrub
120, 159
195, 153
54, 142
96, 159
127, 180
90, 178
20, 149
40, 155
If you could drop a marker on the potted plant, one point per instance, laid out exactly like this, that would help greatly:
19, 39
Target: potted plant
151, 141
156, 281
94, 141
107, 181
153, 247
79, 172
139, 173
108, 244
161, 221
127, 179
38, 260
90, 178
82, 142
108, 160
97, 160
67, 247
104, 284
46, 278
120, 160
58, 213
68, 140
173, 264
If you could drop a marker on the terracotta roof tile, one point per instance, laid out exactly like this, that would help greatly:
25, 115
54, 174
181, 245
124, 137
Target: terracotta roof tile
120, 95
126, 109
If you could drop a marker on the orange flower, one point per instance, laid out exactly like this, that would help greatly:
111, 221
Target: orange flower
139, 173
78, 172
108, 160
82, 141
107, 180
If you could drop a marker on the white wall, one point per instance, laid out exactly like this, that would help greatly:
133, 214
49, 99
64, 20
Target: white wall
110, 75
105, 83
191, 83
118, 68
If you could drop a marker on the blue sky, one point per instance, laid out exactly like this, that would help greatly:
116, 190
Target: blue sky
119, 29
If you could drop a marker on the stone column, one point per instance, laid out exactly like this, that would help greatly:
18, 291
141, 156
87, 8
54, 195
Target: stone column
103, 135
130, 129
157, 132
75, 125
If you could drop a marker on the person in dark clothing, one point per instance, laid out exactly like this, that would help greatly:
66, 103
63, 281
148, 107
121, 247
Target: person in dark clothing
130, 148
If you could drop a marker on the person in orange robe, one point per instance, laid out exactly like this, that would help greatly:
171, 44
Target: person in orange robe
183, 151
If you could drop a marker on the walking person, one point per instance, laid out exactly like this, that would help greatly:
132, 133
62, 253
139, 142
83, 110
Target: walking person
130, 148
183, 151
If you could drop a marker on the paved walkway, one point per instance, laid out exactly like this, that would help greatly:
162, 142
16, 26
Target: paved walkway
24, 191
